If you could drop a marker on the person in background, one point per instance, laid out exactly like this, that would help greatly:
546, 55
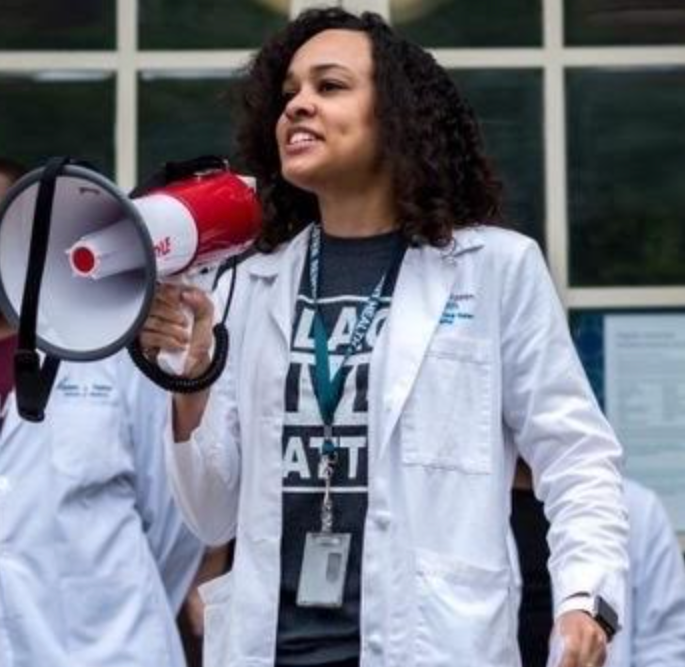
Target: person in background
393, 350
654, 631
95, 560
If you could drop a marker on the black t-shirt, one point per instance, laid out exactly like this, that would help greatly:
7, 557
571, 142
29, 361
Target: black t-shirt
350, 269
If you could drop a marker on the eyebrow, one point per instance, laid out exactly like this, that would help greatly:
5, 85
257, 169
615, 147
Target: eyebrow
320, 69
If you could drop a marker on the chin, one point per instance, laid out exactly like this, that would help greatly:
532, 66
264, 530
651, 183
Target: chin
304, 180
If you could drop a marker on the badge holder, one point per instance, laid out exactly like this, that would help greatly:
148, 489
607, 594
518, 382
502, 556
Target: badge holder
326, 554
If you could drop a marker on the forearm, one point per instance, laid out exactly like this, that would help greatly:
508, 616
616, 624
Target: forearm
187, 411
204, 468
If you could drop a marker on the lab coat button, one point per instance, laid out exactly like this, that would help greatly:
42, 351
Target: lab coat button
383, 520
375, 643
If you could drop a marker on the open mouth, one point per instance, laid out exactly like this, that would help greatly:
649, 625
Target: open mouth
301, 137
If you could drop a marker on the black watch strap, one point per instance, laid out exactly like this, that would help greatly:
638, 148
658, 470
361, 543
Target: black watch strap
606, 616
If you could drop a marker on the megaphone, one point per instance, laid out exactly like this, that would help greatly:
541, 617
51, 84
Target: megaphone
106, 251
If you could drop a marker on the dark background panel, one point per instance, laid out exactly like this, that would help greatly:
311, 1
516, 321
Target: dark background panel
206, 24
486, 23
60, 114
182, 118
58, 24
587, 330
626, 159
624, 22
509, 107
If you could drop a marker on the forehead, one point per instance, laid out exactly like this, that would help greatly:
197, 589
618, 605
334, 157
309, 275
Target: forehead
349, 49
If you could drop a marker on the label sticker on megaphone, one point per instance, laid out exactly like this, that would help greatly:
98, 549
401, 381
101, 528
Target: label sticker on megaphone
105, 252
194, 224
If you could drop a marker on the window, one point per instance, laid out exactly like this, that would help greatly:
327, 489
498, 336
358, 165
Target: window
183, 115
626, 160
67, 24
623, 22
58, 113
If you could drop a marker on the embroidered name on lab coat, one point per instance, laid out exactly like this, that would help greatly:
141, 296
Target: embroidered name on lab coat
100, 392
459, 307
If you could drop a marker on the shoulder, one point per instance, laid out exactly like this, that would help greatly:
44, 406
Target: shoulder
637, 494
499, 241
260, 264
501, 255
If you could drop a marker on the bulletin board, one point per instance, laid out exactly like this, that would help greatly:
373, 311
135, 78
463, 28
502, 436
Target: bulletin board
635, 360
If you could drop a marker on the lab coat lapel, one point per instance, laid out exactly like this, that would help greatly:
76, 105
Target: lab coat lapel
423, 287
284, 269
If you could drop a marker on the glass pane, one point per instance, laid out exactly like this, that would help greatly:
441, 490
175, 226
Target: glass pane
67, 24
635, 360
182, 118
626, 153
207, 24
58, 113
622, 22
508, 104
454, 23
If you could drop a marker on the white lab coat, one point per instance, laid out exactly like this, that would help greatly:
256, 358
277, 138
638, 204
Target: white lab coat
94, 558
654, 634
474, 364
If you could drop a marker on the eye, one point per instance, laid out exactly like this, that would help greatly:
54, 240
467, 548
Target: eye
287, 95
329, 86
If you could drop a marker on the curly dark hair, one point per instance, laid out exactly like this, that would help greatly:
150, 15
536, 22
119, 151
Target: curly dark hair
441, 177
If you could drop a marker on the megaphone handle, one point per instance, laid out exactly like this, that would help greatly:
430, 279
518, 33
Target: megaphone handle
201, 276
175, 362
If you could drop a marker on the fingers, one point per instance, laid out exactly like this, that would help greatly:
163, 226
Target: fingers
584, 657
199, 303
585, 643
179, 317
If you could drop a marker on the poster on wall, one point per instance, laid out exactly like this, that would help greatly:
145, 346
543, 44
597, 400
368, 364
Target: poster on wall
644, 399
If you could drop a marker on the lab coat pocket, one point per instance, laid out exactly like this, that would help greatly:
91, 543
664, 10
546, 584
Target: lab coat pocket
447, 421
119, 616
86, 441
463, 615
216, 594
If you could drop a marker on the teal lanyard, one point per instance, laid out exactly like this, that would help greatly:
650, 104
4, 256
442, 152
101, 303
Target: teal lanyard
329, 390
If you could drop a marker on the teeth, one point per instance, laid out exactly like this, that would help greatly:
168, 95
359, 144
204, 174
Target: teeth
302, 138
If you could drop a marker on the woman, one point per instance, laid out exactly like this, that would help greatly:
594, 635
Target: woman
371, 505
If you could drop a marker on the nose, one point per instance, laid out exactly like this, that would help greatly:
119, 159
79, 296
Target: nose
300, 105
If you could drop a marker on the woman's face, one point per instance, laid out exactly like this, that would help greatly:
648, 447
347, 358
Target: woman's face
328, 133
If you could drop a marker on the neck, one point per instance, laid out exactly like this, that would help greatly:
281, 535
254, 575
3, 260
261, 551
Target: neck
359, 214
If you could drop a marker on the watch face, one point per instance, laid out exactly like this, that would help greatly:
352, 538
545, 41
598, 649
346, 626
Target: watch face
606, 616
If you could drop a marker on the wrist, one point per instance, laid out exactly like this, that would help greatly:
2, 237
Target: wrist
597, 608
187, 411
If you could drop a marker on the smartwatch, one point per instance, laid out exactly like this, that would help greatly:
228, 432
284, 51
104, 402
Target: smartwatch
601, 611
606, 616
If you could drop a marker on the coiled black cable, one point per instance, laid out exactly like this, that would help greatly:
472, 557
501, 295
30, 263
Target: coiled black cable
183, 385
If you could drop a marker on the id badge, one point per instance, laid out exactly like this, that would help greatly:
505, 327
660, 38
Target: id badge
324, 570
